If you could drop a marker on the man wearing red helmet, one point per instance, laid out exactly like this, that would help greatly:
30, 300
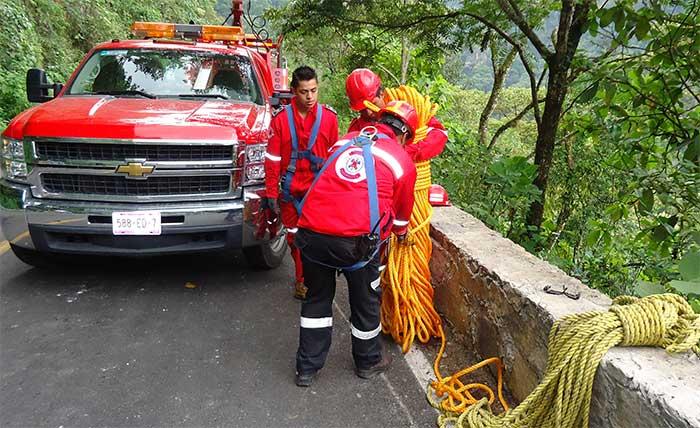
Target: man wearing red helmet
363, 85
363, 193
300, 136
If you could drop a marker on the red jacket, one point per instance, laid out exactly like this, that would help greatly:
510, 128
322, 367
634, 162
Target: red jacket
338, 204
430, 147
279, 148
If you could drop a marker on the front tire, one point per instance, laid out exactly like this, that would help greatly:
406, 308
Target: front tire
268, 255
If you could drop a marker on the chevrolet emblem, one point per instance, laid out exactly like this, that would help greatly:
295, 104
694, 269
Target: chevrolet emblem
135, 169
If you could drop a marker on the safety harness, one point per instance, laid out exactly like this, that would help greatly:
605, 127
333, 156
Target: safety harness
364, 140
315, 161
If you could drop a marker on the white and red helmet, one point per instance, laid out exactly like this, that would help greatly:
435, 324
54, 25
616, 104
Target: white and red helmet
437, 196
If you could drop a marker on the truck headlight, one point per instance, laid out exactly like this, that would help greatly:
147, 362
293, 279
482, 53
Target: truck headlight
12, 149
255, 172
255, 153
12, 162
254, 169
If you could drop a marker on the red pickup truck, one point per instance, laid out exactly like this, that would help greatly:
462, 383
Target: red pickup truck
153, 146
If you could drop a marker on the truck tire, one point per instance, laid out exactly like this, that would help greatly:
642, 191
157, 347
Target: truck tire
268, 255
34, 258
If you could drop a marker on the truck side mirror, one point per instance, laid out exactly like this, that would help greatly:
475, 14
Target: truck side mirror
280, 98
38, 86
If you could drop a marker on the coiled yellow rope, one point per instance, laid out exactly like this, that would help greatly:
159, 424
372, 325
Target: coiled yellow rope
407, 300
407, 297
576, 345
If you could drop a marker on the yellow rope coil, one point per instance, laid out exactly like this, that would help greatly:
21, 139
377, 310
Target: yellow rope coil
407, 302
576, 345
407, 298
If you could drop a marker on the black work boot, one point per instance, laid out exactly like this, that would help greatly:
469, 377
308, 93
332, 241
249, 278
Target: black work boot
304, 379
379, 367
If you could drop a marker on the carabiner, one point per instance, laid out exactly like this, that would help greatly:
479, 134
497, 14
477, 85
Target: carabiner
369, 132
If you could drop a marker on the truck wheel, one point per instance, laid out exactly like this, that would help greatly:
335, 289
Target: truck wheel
268, 255
33, 257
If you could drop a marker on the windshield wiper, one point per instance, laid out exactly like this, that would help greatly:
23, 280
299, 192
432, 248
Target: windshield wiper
128, 92
221, 96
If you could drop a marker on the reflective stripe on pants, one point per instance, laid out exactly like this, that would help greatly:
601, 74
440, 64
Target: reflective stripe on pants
364, 293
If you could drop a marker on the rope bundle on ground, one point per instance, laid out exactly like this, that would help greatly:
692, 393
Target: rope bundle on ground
576, 345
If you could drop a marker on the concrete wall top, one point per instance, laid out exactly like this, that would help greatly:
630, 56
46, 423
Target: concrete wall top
491, 290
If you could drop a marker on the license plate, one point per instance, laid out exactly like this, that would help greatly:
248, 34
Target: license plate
136, 223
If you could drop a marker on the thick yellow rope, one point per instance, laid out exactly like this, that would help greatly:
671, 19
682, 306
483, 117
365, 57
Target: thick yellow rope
407, 297
407, 301
576, 345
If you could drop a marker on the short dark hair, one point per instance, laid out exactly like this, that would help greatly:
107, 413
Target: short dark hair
303, 73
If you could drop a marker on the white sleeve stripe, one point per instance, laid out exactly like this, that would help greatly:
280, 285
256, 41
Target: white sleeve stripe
400, 222
430, 129
365, 335
273, 158
293, 230
316, 322
374, 284
382, 267
338, 144
390, 160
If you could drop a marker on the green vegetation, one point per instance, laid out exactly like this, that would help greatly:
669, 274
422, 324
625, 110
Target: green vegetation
599, 174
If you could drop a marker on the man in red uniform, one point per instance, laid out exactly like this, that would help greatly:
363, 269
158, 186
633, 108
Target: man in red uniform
363, 193
300, 136
364, 85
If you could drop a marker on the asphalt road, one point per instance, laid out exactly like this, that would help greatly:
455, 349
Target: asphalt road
125, 343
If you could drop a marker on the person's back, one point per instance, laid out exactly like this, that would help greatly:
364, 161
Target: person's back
343, 188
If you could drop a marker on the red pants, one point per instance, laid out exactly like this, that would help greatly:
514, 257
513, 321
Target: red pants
289, 220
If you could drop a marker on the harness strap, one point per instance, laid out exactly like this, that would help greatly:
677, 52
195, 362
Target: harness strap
371, 186
353, 267
303, 154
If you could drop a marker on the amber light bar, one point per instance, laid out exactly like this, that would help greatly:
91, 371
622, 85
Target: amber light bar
187, 31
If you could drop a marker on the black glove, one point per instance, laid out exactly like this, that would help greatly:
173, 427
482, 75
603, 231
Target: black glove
272, 205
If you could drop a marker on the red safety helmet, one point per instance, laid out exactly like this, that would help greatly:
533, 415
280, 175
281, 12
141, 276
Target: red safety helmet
437, 196
360, 86
403, 111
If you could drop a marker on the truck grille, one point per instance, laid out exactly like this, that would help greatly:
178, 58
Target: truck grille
62, 151
120, 186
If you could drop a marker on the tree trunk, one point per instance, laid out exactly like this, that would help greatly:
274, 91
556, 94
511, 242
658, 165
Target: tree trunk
499, 76
405, 58
546, 137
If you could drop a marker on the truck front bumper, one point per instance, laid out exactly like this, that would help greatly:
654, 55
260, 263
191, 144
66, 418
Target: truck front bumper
77, 227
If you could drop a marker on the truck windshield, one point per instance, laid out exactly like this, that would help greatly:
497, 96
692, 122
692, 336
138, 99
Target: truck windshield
168, 73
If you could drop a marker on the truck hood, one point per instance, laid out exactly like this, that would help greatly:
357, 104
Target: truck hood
111, 117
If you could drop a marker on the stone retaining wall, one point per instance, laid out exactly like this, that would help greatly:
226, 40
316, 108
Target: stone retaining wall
490, 290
